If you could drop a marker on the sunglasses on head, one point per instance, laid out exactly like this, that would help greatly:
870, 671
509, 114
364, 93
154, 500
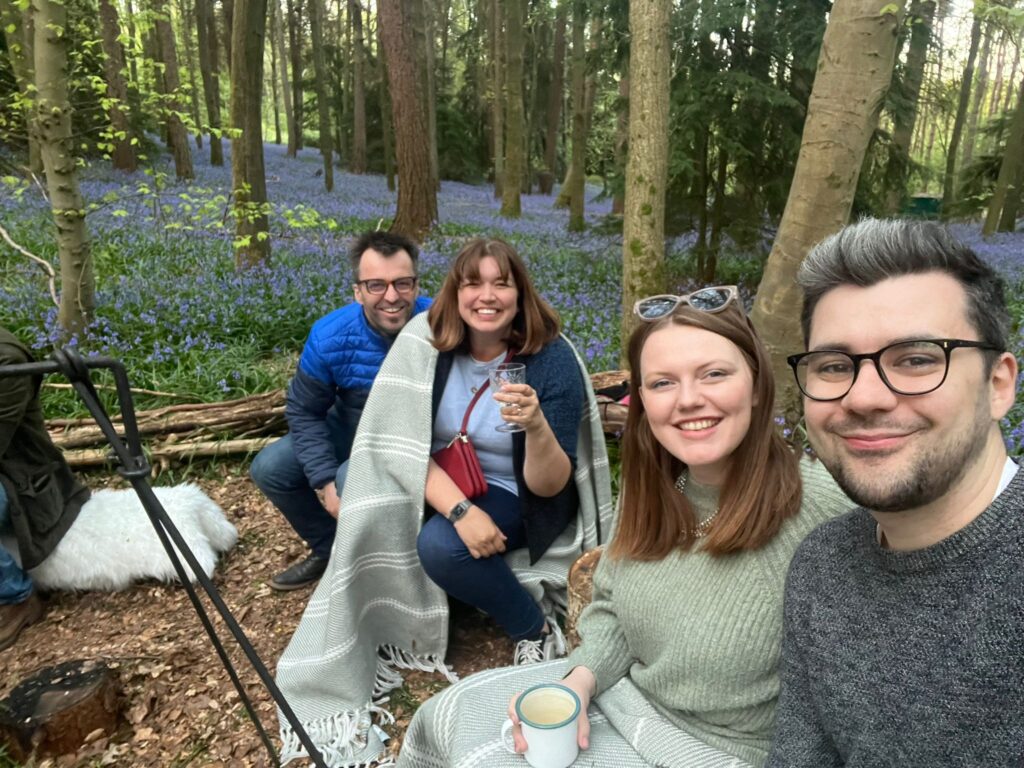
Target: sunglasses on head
712, 300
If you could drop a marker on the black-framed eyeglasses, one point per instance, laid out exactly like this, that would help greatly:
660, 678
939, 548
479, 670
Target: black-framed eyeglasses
914, 367
377, 287
713, 299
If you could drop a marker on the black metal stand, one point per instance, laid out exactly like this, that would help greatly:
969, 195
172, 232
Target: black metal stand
134, 467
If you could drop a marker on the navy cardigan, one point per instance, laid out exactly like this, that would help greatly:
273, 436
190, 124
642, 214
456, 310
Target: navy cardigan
555, 375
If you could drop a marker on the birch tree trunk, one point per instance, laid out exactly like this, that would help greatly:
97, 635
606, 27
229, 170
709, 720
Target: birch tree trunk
248, 177
177, 137
209, 64
643, 225
854, 72
16, 26
52, 129
122, 156
316, 23
417, 192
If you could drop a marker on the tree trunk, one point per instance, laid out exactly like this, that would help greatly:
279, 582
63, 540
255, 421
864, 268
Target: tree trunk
187, 21
176, 134
423, 28
358, 163
52, 129
980, 88
921, 12
209, 65
417, 193
554, 116
949, 180
277, 41
621, 137
997, 82
854, 71
122, 155
295, 49
18, 34
228, 9
576, 179
248, 178
515, 163
387, 123
1008, 183
316, 23
643, 225
498, 98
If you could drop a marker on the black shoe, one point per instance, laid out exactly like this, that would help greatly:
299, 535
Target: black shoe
299, 575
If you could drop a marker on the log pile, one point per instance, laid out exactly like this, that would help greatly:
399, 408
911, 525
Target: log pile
181, 432
234, 427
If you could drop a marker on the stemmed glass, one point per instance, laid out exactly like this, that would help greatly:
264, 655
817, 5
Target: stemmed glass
508, 373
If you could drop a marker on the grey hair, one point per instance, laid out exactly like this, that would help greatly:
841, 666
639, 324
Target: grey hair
873, 250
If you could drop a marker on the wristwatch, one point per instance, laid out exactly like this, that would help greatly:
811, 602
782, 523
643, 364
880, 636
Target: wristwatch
459, 511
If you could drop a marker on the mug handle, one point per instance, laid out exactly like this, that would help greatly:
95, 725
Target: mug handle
505, 730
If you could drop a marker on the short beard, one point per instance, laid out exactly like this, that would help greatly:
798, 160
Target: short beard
931, 476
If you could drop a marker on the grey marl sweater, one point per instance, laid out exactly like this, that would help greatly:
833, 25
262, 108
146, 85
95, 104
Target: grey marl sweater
906, 658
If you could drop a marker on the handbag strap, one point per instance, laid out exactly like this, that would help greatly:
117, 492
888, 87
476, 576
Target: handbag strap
479, 392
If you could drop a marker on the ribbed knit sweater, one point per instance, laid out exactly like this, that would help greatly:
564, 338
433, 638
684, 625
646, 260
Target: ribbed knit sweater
701, 635
906, 658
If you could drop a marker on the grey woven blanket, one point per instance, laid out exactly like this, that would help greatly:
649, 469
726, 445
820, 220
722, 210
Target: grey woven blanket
375, 610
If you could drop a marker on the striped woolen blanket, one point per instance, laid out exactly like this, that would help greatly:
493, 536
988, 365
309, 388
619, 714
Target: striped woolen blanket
375, 611
461, 727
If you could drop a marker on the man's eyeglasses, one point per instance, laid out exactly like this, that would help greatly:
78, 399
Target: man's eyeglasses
914, 367
377, 287
706, 300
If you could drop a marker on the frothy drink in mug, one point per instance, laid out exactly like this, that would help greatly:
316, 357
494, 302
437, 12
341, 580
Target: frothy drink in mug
548, 715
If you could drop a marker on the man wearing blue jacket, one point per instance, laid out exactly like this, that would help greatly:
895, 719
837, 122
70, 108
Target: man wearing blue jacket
303, 472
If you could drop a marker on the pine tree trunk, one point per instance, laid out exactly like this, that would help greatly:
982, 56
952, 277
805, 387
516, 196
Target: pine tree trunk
358, 163
176, 134
949, 180
277, 41
575, 182
554, 115
52, 129
248, 177
122, 156
417, 193
922, 12
515, 163
498, 98
387, 123
1009, 180
316, 16
854, 71
295, 49
209, 65
643, 225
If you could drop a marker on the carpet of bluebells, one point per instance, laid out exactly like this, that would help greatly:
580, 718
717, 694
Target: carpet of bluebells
172, 306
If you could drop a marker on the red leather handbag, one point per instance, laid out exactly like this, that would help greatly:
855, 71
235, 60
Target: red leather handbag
459, 460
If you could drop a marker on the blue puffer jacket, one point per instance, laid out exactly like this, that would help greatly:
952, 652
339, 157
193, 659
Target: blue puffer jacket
339, 362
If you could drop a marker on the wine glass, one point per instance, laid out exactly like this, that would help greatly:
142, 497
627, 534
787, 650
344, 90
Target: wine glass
508, 373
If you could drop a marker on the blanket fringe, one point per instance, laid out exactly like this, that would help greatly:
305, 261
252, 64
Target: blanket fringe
338, 737
391, 658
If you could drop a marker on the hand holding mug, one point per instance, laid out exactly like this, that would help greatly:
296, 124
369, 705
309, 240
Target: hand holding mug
546, 723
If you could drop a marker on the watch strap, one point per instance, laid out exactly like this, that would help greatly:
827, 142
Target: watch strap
459, 510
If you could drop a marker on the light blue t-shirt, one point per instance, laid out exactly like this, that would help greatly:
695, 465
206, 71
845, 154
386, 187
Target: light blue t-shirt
493, 448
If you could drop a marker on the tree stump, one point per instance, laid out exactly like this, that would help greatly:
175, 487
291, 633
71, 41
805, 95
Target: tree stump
581, 592
57, 709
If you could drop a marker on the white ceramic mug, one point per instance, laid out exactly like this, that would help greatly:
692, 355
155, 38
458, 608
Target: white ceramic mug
548, 715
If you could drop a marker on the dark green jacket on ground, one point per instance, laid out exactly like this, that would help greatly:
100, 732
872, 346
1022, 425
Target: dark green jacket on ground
43, 495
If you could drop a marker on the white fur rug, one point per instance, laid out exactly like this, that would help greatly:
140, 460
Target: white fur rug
112, 542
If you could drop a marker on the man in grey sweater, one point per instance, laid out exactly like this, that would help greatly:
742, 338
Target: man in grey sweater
904, 619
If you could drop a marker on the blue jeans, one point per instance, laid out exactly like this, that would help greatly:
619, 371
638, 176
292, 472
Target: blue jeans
488, 583
277, 472
15, 584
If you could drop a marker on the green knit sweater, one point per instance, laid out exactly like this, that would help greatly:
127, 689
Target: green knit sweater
700, 635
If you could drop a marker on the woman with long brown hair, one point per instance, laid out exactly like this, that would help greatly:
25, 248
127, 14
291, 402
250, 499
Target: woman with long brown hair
680, 644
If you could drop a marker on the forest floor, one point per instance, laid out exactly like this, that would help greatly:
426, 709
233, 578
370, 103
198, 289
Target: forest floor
181, 708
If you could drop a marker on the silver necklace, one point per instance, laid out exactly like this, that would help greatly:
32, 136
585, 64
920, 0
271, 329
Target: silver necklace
702, 527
